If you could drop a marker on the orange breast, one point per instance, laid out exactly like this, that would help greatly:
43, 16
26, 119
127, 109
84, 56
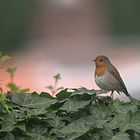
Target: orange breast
100, 70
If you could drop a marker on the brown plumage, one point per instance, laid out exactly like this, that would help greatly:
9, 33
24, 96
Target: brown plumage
107, 76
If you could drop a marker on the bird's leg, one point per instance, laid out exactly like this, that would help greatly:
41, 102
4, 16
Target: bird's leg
111, 95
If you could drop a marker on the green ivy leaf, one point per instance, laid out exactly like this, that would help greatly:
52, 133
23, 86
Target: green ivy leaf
107, 134
74, 104
82, 91
32, 100
46, 95
97, 113
129, 121
62, 95
78, 128
121, 136
99, 116
37, 132
9, 136
7, 126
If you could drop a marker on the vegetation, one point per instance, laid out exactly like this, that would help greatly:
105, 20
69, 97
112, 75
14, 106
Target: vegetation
72, 115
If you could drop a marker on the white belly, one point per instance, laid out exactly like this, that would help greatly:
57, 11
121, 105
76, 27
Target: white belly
100, 81
104, 81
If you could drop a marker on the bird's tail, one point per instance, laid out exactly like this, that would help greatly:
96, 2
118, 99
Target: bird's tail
128, 95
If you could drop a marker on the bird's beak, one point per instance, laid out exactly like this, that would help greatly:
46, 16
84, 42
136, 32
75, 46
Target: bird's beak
93, 60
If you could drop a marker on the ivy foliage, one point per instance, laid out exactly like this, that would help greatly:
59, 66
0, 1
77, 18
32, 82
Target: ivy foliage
80, 114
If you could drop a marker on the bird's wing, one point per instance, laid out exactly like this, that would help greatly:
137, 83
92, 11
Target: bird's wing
116, 74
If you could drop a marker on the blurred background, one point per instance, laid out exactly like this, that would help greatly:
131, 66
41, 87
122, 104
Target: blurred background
46, 37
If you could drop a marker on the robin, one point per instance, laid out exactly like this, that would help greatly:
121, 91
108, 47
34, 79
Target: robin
108, 78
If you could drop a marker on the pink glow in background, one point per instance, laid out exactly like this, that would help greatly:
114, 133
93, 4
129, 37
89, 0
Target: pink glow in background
64, 37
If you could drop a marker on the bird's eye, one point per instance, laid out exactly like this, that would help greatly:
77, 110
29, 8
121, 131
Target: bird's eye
101, 60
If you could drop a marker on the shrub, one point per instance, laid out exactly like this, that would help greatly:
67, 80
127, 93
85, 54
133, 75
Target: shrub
80, 114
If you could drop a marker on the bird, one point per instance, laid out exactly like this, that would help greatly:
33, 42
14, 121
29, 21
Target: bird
108, 78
